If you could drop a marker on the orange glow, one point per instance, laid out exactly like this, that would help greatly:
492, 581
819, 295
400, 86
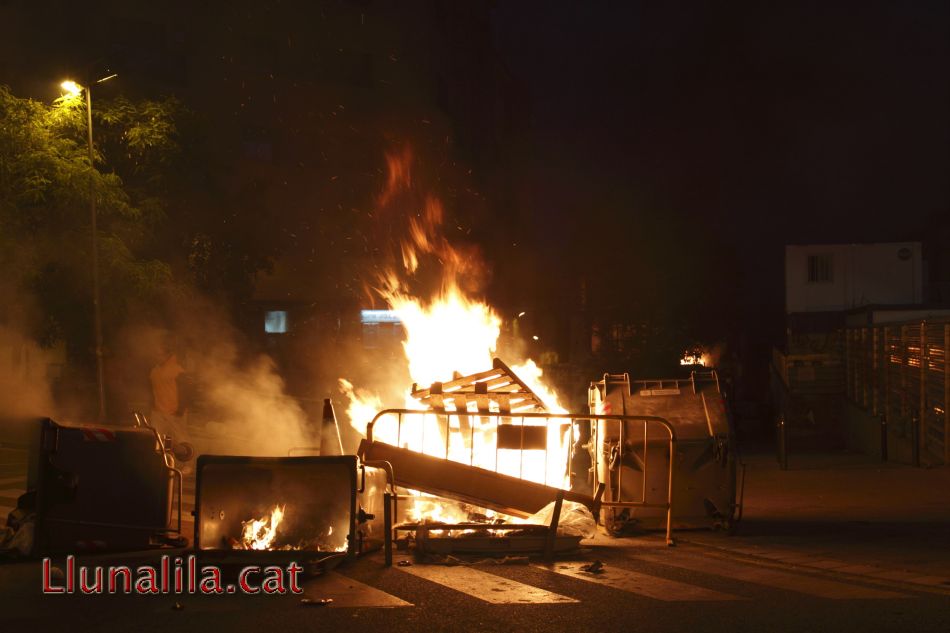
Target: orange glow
259, 534
451, 332
693, 358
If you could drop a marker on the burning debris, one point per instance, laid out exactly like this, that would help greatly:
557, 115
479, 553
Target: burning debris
696, 358
260, 533
466, 414
477, 440
270, 533
558, 527
477, 420
702, 356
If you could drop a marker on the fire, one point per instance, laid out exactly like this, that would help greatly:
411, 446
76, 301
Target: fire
456, 334
363, 404
259, 534
451, 332
425, 508
531, 374
432, 509
693, 358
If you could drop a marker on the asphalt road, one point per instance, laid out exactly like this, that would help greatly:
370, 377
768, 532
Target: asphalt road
758, 580
643, 586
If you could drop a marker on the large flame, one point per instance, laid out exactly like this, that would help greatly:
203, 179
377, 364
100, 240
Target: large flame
454, 334
451, 332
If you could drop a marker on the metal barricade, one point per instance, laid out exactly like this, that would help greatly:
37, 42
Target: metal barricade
616, 452
526, 431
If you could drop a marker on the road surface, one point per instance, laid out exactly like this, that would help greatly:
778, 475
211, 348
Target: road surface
708, 582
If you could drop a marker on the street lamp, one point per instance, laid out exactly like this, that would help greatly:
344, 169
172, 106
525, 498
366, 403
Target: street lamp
75, 89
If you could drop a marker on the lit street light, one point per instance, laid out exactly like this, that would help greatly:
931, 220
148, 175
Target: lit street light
75, 89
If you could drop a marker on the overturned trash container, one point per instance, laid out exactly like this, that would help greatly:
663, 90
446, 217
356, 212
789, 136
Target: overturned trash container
315, 511
102, 488
631, 459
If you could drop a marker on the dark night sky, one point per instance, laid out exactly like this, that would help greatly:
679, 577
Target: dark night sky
791, 121
700, 134
740, 127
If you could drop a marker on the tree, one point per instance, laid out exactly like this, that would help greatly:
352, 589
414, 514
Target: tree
45, 183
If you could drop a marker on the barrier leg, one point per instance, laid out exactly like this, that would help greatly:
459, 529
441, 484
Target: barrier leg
915, 438
883, 438
551, 536
782, 444
388, 527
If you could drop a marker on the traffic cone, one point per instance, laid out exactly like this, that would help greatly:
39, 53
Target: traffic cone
330, 443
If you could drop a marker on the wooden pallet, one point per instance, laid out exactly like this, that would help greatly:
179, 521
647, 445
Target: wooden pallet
499, 385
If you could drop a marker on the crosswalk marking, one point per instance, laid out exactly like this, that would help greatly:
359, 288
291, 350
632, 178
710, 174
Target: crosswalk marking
485, 586
346, 592
643, 584
752, 573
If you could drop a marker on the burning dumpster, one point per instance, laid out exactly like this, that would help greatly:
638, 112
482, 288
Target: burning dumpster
101, 488
311, 510
630, 459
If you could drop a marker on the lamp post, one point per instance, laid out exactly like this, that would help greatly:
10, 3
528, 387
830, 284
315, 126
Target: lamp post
75, 89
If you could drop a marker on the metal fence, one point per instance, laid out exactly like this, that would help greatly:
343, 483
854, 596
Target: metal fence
523, 433
899, 372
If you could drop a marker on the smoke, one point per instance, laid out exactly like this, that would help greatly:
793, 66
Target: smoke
253, 413
382, 376
238, 402
24, 385
26, 368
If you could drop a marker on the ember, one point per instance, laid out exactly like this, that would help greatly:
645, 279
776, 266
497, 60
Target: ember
425, 509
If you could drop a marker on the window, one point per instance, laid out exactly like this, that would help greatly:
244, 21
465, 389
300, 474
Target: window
820, 269
378, 316
275, 321
381, 328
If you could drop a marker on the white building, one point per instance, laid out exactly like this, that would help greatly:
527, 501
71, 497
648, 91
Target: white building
837, 277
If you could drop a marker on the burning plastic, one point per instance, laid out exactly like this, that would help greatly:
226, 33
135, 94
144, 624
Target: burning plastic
575, 519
